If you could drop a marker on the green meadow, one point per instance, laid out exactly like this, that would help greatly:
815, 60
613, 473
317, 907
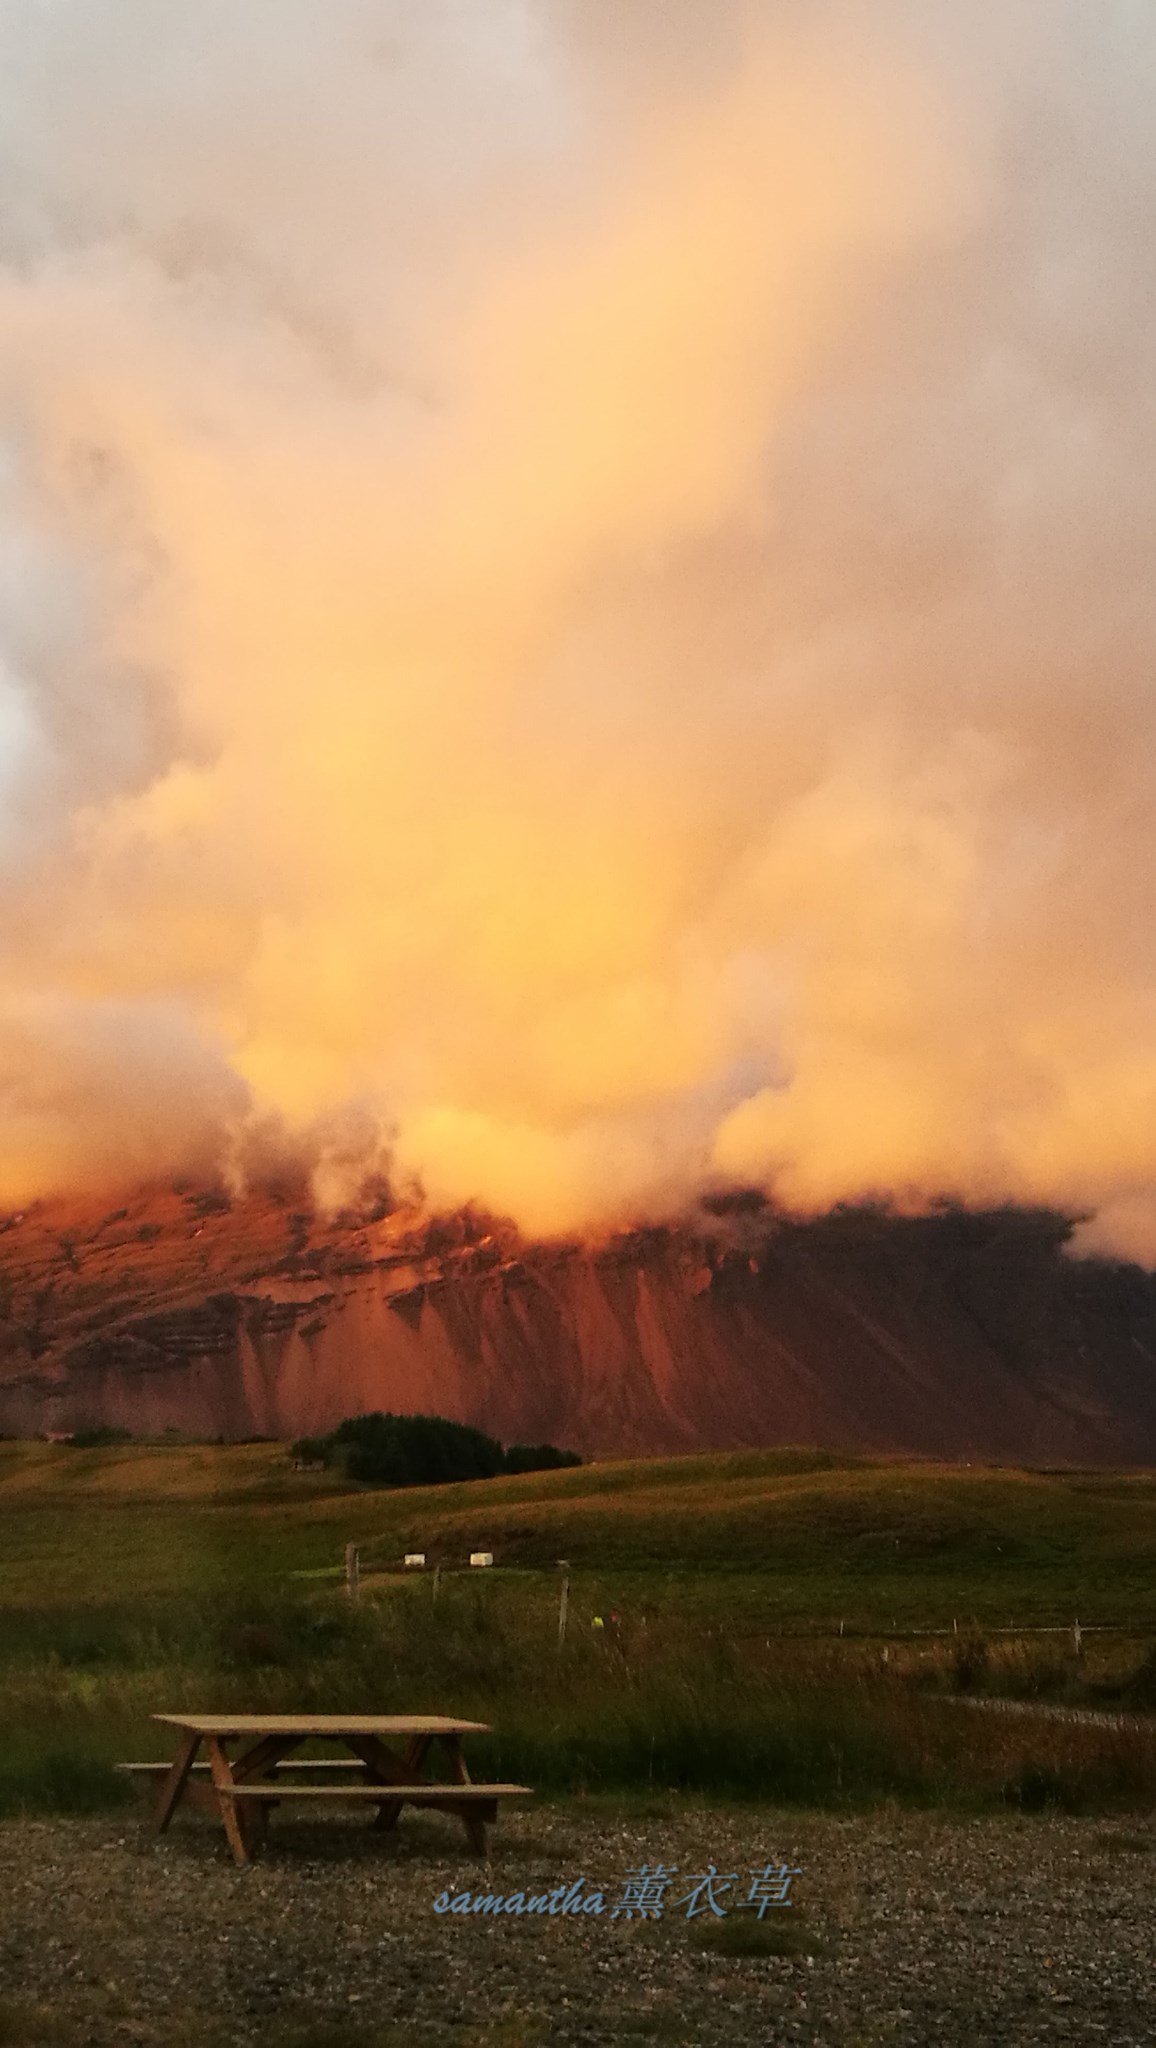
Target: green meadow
792, 1625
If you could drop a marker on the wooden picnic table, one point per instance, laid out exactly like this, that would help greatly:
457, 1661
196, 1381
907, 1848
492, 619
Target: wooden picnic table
249, 1768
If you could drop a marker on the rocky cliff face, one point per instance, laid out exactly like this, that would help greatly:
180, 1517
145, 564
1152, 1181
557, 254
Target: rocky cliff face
955, 1335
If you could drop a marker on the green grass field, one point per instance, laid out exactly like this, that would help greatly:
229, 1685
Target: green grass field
139, 1577
775, 1536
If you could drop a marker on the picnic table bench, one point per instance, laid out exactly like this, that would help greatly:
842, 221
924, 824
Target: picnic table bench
242, 1788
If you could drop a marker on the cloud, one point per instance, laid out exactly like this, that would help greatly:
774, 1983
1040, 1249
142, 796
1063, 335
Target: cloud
574, 599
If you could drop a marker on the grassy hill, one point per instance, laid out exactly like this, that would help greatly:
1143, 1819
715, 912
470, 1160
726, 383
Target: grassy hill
785, 1536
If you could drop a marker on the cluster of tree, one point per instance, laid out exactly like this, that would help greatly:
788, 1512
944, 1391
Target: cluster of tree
422, 1450
538, 1458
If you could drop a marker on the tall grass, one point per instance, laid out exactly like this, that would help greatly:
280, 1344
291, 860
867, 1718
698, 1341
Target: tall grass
656, 1706
122, 1593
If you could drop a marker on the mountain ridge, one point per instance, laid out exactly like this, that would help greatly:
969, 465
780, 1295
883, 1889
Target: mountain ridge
957, 1334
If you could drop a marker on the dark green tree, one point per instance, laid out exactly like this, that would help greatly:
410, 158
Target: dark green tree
413, 1450
539, 1458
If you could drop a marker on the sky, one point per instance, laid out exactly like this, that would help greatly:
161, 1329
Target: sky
576, 619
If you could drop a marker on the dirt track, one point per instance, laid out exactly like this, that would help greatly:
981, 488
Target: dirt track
922, 1931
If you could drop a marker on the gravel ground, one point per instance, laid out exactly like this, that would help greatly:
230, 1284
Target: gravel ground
920, 1930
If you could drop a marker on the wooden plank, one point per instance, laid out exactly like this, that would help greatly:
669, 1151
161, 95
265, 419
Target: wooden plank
288, 1763
336, 1725
413, 1795
204, 1797
175, 1781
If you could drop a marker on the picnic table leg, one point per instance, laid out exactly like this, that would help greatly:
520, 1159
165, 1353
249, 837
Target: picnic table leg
223, 1782
263, 1757
475, 1828
473, 1817
384, 1768
171, 1787
388, 1814
459, 1769
255, 1823
259, 1762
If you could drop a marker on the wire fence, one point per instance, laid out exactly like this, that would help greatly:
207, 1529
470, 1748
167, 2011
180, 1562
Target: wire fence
354, 1565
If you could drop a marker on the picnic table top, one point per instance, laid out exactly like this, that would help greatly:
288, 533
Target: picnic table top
323, 1724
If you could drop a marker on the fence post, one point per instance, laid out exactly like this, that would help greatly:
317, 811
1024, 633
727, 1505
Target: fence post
436, 1582
563, 1603
352, 1570
1077, 1637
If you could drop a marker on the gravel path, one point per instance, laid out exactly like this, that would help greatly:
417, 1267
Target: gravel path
922, 1931
1081, 1717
